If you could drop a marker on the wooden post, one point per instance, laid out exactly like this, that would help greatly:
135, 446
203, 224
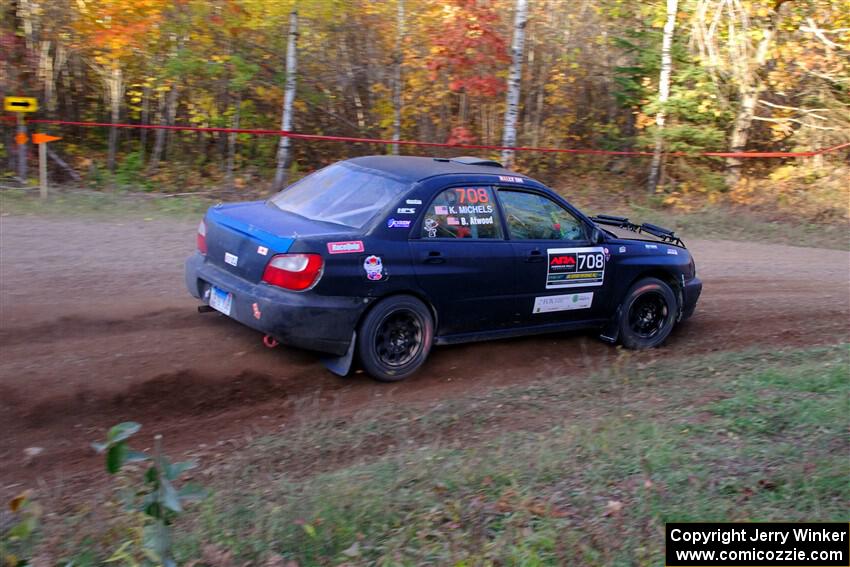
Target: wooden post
42, 170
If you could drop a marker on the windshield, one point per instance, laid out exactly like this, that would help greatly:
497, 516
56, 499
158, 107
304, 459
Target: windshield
342, 193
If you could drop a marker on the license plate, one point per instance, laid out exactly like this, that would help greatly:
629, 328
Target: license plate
221, 300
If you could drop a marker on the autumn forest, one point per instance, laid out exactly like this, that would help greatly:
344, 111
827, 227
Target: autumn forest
667, 77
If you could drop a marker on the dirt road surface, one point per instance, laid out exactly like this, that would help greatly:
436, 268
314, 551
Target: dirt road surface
97, 328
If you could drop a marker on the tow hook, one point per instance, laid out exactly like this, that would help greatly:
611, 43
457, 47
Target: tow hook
270, 341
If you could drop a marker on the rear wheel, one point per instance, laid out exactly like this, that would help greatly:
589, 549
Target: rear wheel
648, 314
395, 338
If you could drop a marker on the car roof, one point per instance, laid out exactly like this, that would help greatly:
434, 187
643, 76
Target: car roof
413, 169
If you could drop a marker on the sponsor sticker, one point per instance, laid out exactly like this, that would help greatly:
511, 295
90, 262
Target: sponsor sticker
397, 223
510, 179
414, 201
255, 307
374, 268
262, 250
566, 302
348, 247
406, 211
651, 246
231, 259
622, 249
672, 252
575, 267
431, 226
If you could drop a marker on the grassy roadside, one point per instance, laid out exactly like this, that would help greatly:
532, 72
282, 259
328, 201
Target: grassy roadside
93, 204
717, 222
575, 470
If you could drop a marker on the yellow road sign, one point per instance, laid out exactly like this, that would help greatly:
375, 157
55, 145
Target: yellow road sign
20, 104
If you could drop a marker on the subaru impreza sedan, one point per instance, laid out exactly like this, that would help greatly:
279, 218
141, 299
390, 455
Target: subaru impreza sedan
377, 259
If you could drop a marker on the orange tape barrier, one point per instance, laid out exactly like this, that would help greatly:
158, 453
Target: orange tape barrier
348, 139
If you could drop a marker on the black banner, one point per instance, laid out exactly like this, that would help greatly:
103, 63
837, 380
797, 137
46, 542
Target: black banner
764, 544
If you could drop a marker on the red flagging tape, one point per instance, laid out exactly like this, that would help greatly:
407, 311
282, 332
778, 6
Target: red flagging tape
318, 137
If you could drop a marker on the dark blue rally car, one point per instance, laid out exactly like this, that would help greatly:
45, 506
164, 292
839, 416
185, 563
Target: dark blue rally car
382, 257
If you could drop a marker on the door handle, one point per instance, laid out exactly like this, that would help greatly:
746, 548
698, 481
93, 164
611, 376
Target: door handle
534, 256
435, 257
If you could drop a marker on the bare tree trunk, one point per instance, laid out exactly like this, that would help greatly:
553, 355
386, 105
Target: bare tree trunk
749, 88
50, 66
159, 137
170, 119
167, 110
514, 80
288, 99
352, 81
397, 84
231, 141
146, 119
25, 12
9, 143
740, 133
663, 93
115, 88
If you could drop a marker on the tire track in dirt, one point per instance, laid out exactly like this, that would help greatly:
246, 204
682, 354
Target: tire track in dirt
80, 326
125, 342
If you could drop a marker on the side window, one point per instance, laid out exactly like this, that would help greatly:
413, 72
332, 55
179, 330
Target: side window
535, 217
463, 212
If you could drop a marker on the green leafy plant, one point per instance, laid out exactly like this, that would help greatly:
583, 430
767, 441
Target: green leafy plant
155, 498
17, 534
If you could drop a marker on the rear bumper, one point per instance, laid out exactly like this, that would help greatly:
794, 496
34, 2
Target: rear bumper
690, 295
304, 320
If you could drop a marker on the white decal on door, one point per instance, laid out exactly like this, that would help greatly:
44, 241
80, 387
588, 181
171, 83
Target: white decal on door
575, 267
566, 302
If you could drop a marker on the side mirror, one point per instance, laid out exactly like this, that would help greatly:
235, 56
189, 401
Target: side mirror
596, 236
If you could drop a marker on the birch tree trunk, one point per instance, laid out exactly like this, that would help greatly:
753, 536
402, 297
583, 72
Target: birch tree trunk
749, 87
288, 98
397, 85
115, 87
514, 81
663, 93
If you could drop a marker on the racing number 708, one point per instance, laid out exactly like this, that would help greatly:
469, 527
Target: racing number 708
591, 261
472, 196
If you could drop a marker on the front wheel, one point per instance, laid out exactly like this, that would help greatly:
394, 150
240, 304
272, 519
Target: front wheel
395, 338
648, 314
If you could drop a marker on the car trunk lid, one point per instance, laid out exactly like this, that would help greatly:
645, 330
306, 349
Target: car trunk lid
242, 238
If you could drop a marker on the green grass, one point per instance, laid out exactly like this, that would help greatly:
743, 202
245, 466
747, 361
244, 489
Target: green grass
120, 204
576, 470
723, 223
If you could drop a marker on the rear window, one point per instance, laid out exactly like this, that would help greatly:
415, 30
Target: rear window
342, 193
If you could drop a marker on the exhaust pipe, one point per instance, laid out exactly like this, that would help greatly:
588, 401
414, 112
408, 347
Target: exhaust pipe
270, 341
205, 309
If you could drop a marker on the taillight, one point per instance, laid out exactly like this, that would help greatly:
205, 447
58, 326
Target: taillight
294, 271
202, 238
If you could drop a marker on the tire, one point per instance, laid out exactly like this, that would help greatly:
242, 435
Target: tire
395, 338
647, 314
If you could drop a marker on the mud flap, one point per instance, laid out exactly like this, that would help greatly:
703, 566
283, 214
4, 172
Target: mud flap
341, 365
611, 331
